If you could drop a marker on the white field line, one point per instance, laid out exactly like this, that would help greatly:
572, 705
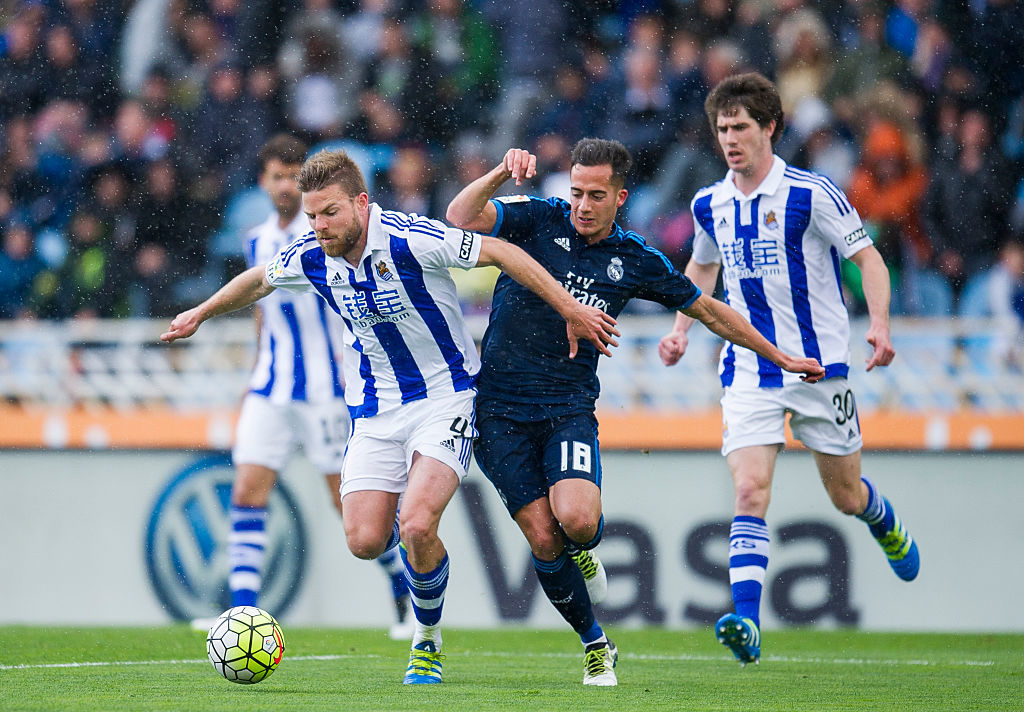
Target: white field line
889, 662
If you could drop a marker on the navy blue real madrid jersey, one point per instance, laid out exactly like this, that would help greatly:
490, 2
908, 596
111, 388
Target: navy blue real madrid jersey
525, 350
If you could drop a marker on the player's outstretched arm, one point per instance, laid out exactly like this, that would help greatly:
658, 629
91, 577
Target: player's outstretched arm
582, 321
728, 323
877, 293
471, 209
241, 291
673, 344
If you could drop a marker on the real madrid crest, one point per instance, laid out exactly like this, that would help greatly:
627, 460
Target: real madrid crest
615, 271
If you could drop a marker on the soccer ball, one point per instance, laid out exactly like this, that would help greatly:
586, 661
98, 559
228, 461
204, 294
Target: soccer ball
245, 644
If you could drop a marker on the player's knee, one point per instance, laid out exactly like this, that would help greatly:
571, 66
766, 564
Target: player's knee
848, 502
545, 544
751, 496
364, 542
417, 529
580, 526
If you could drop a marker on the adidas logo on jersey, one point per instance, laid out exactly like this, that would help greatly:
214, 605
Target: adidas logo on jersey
337, 280
723, 223
563, 242
449, 444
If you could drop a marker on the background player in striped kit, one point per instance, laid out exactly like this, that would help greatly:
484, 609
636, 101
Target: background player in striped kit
296, 393
410, 364
778, 234
538, 433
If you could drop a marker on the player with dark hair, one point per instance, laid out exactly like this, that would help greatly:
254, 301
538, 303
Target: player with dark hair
410, 364
778, 233
538, 434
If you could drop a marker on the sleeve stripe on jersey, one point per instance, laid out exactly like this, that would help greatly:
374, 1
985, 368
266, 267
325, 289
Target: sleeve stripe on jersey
422, 225
411, 274
501, 217
339, 391
299, 243
702, 212
298, 361
833, 192
647, 248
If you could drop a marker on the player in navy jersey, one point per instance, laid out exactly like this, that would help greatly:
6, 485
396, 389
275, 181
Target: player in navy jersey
295, 394
778, 234
410, 365
538, 434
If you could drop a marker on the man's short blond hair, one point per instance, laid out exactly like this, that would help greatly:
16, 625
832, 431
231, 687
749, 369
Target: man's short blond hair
326, 168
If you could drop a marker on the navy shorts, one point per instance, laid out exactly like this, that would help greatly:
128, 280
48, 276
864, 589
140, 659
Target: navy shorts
522, 460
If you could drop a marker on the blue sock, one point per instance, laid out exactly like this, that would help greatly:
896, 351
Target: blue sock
748, 560
878, 514
395, 537
247, 544
392, 564
426, 591
565, 588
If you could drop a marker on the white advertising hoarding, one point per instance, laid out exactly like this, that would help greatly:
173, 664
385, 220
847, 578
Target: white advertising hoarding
136, 538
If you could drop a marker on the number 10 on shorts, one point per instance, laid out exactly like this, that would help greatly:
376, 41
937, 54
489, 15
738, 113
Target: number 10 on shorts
580, 456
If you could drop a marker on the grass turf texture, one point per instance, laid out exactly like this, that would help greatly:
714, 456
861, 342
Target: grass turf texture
165, 668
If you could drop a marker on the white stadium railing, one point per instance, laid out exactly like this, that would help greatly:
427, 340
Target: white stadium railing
940, 365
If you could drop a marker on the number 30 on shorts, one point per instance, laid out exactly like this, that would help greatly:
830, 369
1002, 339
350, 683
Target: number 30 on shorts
580, 456
846, 407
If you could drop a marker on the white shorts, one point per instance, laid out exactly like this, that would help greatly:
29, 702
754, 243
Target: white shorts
268, 434
823, 416
380, 450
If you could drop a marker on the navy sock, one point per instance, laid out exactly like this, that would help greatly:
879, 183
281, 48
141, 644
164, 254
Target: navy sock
564, 586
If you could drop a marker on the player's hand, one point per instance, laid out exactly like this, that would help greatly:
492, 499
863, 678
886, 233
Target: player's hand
183, 325
521, 164
810, 367
672, 347
884, 351
595, 326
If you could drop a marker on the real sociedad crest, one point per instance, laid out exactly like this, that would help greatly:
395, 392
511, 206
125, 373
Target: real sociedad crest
186, 543
383, 272
770, 221
615, 271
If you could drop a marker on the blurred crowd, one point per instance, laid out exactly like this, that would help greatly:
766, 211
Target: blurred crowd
129, 130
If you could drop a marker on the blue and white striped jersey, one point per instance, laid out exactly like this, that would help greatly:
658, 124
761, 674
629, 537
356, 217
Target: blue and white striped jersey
300, 346
406, 338
779, 248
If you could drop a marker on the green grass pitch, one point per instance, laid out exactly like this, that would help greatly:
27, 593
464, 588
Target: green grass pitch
165, 668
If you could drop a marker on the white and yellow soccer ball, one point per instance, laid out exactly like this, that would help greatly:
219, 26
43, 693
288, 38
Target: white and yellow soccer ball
245, 644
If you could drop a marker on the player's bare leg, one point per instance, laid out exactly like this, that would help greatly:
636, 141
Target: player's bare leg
576, 504
854, 494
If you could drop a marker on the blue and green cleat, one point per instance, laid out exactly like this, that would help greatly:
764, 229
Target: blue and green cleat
424, 665
900, 548
741, 636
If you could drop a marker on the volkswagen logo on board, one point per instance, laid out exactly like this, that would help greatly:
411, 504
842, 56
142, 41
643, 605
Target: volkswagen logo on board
186, 543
